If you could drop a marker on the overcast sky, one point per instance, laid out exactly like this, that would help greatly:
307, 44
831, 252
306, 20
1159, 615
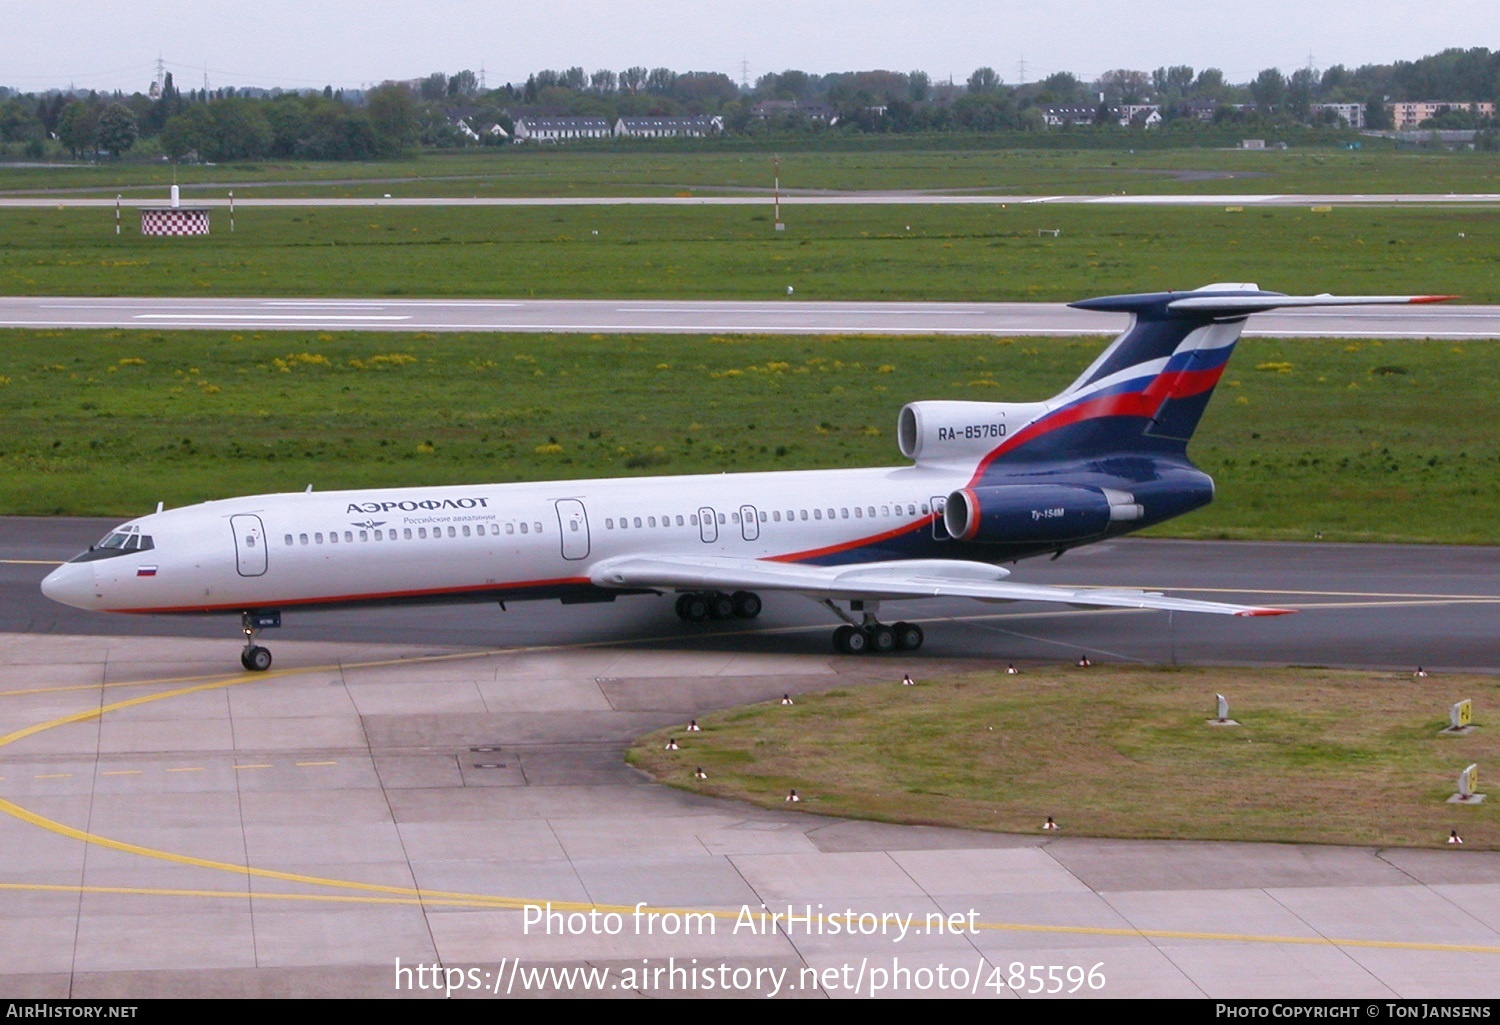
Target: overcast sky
48, 44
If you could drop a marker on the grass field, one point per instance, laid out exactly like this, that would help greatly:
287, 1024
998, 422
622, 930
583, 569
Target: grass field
826, 253
1358, 440
1320, 757
889, 164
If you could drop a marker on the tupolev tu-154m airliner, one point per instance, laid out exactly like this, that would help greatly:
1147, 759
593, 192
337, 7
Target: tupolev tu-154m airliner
988, 483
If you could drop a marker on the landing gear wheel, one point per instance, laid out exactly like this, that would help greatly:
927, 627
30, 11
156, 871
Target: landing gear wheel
850, 641
882, 638
256, 659
720, 606
746, 604
693, 608
909, 636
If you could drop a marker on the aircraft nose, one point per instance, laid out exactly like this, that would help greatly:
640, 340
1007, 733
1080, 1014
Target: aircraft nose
72, 583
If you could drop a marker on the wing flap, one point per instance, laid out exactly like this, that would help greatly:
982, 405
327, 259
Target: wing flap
928, 578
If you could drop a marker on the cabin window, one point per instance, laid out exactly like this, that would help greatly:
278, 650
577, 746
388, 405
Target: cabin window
924, 508
693, 519
466, 530
721, 519
380, 535
651, 521
762, 517
317, 537
817, 514
776, 515
537, 527
289, 539
303, 538
734, 517
452, 532
858, 513
406, 533
637, 521
364, 535
804, 514
679, 521
510, 528
609, 523
333, 537
523, 527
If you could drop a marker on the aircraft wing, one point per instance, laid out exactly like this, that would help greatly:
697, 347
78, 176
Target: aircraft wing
874, 581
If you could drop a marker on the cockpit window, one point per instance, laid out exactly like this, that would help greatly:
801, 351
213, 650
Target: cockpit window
117, 542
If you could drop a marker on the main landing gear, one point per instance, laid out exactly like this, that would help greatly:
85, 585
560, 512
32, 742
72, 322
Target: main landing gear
868, 634
256, 658
698, 606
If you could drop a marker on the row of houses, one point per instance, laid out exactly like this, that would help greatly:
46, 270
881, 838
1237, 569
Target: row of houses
1146, 115
1403, 115
568, 129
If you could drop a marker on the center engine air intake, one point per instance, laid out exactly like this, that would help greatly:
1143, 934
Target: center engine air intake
1036, 513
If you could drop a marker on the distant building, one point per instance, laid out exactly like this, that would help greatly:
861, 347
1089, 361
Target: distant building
819, 112
561, 129
1143, 115
1352, 114
1410, 115
668, 127
1059, 117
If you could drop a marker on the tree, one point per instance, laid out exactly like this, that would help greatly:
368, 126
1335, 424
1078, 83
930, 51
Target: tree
192, 131
1269, 89
78, 127
660, 80
465, 83
984, 80
393, 115
117, 131
633, 80
1125, 86
434, 87
603, 81
1062, 88
919, 85
1301, 90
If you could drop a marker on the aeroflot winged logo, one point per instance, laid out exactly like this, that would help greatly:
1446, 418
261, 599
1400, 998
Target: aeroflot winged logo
426, 504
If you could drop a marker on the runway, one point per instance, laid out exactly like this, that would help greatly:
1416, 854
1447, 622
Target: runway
215, 196
1442, 321
402, 784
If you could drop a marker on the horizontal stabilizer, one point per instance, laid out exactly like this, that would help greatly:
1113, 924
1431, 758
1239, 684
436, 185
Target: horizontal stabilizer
1260, 303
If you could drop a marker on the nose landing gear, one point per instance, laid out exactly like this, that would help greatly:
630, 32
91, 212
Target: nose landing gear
255, 658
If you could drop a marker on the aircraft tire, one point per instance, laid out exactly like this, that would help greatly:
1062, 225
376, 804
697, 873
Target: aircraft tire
882, 639
909, 636
694, 608
256, 659
721, 606
746, 604
849, 641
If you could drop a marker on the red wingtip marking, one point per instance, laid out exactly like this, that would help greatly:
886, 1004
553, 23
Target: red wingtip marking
1434, 298
1266, 612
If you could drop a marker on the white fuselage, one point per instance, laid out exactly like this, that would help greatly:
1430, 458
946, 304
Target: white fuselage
490, 541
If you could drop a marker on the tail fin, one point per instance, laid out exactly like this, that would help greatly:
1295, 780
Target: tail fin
1147, 391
